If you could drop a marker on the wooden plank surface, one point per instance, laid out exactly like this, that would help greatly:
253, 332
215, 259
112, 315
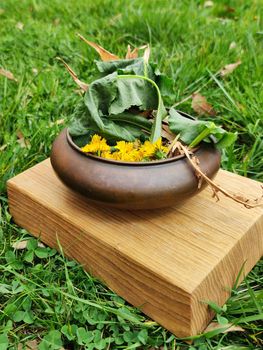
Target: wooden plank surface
164, 261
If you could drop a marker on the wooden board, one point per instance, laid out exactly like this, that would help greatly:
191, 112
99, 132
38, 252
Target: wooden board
166, 262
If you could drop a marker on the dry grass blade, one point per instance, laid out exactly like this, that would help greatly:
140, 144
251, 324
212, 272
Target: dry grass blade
134, 53
248, 203
104, 54
115, 19
20, 26
29, 345
201, 106
21, 245
173, 146
7, 74
81, 84
229, 68
3, 147
232, 45
147, 53
226, 328
21, 139
166, 133
208, 4
131, 54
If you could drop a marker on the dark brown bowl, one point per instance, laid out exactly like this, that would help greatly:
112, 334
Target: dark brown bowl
125, 185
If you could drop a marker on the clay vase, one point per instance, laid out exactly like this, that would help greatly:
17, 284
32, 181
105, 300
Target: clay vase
130, 185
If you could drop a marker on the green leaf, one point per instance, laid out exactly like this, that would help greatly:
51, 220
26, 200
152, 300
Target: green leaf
99, 97
27, 303
28, 317
115, 127
84, 336
13, 261
25, 316
52, 341
29, 256
143, 336
221, 320
5, 289
192, 132
17, 287
214, 332
18, 316
42, 253
8, 327
132, 119
101, 344
10, 309
133, 91
165, 83
131, 66
157, 124
69, 331
3, 341
161, 111
120, 131
32, 244
216, 308
126, 314
114, 95
129, 336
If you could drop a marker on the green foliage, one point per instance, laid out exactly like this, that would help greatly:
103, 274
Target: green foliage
114, 95
3, 341
125, 84
131, 66
192, 132
51, 341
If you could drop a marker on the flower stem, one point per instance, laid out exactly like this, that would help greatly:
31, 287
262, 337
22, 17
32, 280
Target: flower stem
161, 112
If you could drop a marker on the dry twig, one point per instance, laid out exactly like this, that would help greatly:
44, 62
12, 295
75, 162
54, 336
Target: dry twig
248, 203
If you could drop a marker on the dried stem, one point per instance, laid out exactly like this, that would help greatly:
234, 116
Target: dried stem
248, 203
173, 146
81, 84
134, 53
104, 54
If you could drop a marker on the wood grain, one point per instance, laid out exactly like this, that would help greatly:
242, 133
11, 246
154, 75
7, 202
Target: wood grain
167, 262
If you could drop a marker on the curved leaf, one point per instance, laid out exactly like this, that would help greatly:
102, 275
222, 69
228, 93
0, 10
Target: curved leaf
192, 132
99, 96
126, 126
126, 66
132, 119
132, 91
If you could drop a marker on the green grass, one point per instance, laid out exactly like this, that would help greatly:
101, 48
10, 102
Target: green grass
44, 296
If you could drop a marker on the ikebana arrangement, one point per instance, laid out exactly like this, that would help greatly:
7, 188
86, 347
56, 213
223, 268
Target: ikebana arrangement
122, 119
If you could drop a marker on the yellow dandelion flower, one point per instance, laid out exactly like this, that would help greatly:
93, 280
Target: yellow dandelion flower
125, 151
97, 144
132, 156
124, 147
109, 155
160, 147
147, 149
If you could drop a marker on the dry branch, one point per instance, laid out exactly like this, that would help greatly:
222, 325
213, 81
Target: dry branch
248, 203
